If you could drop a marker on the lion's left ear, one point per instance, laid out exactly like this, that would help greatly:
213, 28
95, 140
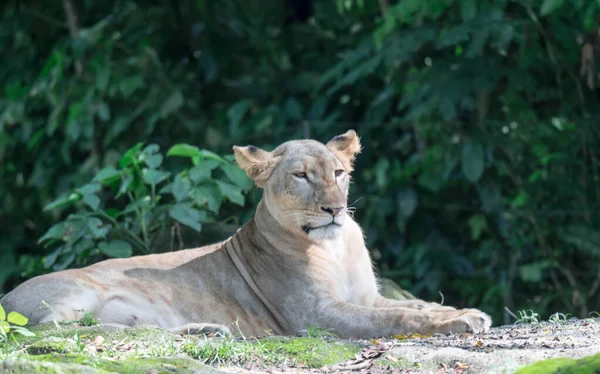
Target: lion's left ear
257, 163
345, 147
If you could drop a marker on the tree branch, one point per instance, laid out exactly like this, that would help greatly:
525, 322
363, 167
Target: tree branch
384, 7
73, 23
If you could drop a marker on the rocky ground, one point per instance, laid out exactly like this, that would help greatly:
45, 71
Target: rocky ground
507, 349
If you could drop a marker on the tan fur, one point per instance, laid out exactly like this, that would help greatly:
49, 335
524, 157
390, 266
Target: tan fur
295, 264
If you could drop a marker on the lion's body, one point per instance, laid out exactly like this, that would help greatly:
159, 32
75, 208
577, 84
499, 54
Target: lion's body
278, 274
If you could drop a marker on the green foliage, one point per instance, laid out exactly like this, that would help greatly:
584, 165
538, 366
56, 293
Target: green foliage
88, 319
12, 324
118, 211
479, 176
559, 318
528, 316
318, 332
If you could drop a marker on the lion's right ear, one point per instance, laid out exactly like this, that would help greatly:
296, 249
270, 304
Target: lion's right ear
257, 163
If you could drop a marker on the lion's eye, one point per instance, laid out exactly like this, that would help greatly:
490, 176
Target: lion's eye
300, 174
338, 172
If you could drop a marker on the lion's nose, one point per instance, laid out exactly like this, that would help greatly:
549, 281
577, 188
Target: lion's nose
333, 211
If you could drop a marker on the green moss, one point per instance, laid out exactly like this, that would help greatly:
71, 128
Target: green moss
27, 367
130, 365
52, 345
71, 348
311, 352
585, 365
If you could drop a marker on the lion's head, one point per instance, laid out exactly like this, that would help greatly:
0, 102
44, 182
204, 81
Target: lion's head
305, 182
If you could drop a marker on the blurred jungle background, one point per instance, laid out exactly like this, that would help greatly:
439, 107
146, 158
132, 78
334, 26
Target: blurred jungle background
480, 121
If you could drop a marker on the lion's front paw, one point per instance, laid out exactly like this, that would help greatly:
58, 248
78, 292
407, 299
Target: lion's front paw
471, 320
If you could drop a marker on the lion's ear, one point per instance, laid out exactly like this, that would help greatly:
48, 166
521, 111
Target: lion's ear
345, 147
257, 163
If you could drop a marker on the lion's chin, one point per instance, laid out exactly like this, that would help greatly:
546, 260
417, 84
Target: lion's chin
330, 231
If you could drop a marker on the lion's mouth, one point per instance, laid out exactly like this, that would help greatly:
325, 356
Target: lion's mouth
308, 228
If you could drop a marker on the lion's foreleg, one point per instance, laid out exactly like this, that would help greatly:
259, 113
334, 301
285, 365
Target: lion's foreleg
354, 321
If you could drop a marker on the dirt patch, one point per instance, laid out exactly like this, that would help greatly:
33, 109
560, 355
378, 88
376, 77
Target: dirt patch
502, 350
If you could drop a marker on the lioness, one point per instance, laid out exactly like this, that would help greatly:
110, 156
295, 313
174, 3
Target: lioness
300, 261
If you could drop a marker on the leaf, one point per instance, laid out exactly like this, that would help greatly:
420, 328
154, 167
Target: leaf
4, 327
106, 175
88, 195
103, 112
408, 200
102, 74
154, 177
23, 331
125, 185
531, 273
237, 176
478, 224
549, 6
173, 103
202, 171
237, 111
63, 201
154, 161
51, 258
130, 155
472, 161
468, 9
520, 199
92, 201
150, 149
136, 205
208, 155
431, 180
99, 231
128, 85
208, 194
116, 248
55, 232
183, 150
2, 313
64, 261
187, 215
17, 318
181, 188
88, 189
233, 193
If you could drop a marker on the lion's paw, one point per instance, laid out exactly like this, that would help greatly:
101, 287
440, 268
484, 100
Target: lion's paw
471, 321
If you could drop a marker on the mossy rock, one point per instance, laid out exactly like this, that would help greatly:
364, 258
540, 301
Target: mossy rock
52, 344
586, 365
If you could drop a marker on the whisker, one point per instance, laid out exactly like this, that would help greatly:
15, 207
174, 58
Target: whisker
357, 200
